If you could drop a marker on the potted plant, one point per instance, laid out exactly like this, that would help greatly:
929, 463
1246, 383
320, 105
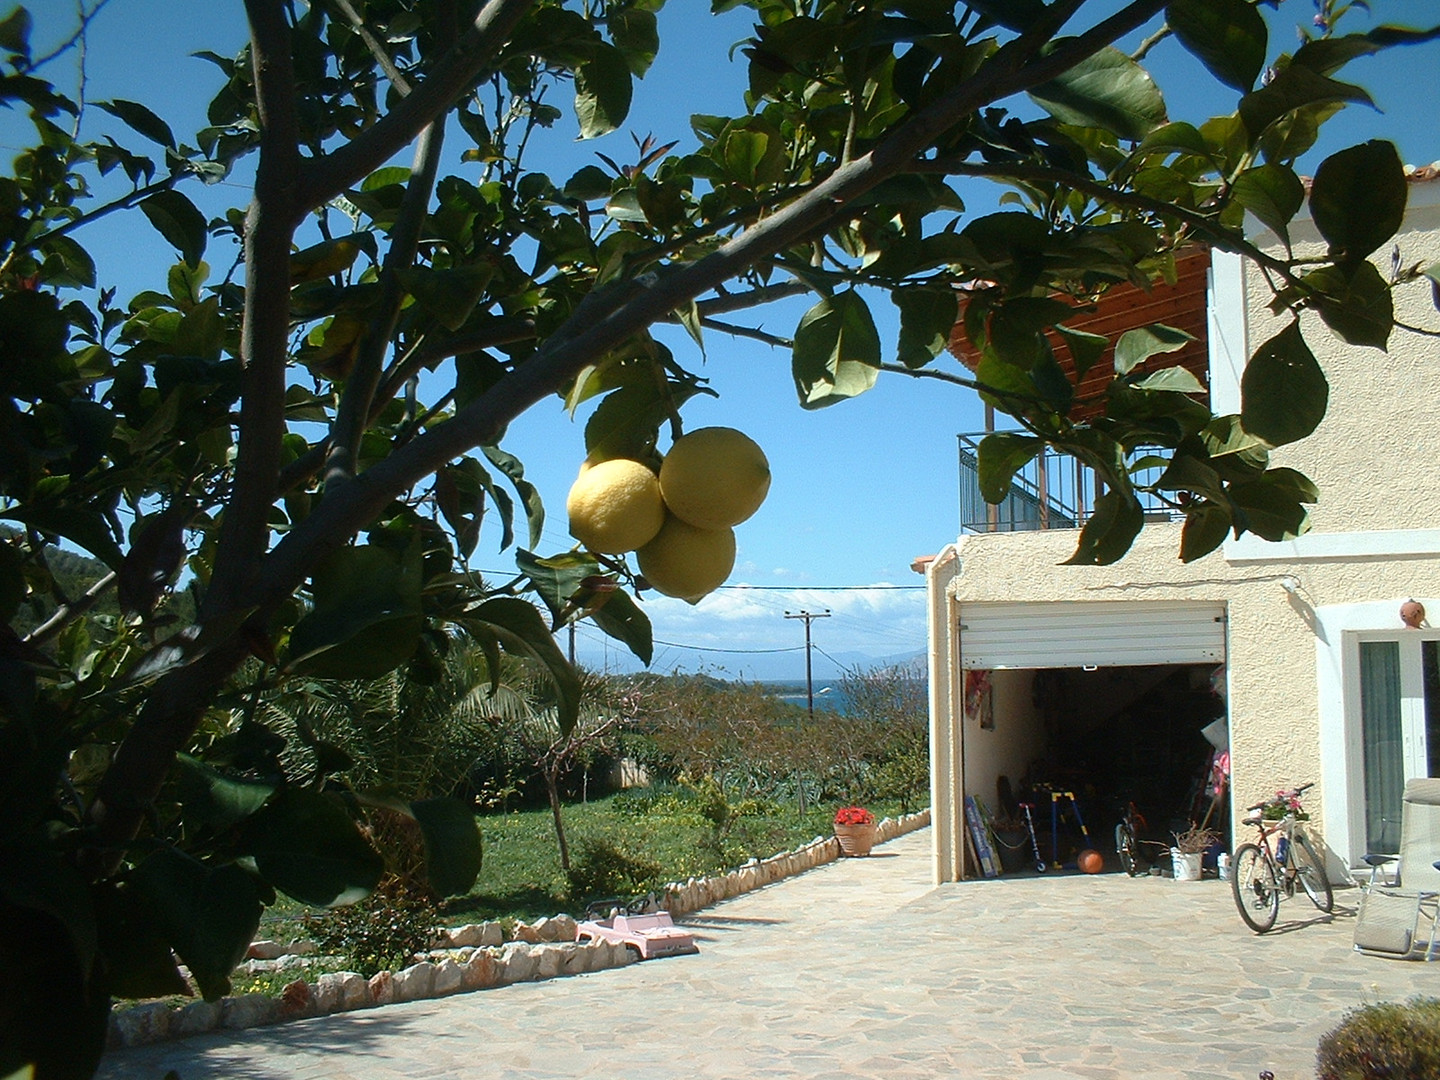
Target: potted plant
855, 829
1189, 848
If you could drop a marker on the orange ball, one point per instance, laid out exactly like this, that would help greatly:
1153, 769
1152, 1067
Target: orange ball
1090, 861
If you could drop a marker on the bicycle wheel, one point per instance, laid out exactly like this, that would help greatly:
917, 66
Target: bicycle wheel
1125, 847
1311, 872
1256, 885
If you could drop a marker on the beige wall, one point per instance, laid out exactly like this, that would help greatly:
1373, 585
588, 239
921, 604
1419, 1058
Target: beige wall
1376, 455
1008, 748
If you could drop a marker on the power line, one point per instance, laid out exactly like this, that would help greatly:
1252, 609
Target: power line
708, 648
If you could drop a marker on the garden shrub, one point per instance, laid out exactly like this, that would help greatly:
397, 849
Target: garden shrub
383, 932
1386, 1040
602, 869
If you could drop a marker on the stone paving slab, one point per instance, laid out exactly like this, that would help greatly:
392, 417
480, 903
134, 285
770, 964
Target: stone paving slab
864, 969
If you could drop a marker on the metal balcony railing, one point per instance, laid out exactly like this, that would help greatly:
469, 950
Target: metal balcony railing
1053, 491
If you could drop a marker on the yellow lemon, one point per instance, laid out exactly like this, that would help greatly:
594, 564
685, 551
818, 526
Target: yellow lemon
714, 477
615, 506
686, 562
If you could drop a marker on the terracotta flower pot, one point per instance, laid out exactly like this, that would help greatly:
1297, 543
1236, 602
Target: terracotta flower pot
856, 840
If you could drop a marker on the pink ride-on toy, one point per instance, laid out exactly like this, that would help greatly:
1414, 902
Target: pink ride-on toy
650, 934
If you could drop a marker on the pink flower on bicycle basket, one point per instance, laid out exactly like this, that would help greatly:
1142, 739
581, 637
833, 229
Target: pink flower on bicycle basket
1284, 802
854, 815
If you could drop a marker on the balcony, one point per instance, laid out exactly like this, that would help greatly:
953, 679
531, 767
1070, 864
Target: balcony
1053, 491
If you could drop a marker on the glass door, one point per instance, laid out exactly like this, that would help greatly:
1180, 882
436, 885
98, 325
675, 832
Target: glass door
1400, 727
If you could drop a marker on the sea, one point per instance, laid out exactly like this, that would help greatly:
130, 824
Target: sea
829, 695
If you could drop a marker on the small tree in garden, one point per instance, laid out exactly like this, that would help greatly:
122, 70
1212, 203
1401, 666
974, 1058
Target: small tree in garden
263, 423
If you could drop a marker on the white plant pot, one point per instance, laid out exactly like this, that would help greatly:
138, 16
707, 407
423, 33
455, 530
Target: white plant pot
1187, 864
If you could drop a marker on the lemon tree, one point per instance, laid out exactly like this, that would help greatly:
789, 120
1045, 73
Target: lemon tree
258, 434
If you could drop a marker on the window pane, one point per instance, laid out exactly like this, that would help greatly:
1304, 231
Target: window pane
1384, 749
1430, 664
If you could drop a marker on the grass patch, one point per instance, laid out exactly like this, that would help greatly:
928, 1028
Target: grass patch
673, 829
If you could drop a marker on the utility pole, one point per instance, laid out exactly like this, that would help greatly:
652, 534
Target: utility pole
809, 617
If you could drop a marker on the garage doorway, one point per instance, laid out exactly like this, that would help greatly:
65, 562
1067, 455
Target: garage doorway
1110, 701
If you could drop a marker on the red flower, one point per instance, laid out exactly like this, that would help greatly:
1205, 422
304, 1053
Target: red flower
854, 815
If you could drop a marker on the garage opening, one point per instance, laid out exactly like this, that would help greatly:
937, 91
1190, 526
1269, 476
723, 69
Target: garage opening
1115, 704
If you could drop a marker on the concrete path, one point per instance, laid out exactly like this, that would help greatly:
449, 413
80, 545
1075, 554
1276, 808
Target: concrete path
863, 969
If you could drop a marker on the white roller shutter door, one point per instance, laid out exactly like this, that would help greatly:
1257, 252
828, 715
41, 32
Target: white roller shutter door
1067, 634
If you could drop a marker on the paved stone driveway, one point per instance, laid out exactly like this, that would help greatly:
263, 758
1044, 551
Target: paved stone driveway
864, 969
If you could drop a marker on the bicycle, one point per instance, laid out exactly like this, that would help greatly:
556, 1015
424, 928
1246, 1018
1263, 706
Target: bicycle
1127, 842
1261, 875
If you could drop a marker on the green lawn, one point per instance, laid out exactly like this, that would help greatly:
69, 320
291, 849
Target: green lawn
657, 836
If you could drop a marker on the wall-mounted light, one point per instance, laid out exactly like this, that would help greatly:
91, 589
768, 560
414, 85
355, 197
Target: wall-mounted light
1412, 614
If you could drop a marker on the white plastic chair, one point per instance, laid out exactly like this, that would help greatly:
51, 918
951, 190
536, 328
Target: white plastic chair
1401, 920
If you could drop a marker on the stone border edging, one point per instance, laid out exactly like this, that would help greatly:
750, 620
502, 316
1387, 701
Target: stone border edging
470, 958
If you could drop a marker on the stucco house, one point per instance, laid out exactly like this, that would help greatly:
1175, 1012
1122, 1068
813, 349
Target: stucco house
1103, 677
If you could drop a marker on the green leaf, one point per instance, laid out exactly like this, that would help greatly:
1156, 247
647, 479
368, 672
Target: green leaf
449, 295
1292, 88
1177, 379
15, 32
366, 618
602, 92
1355, 302
557, 578
85, 528
1273, 193
926, 318
1011, 14
591, 182
1086, 349
176, 219
635, 34
1283, 391
138, 960
208, 914
1270, 510
1185, 472
1106, 90
1112, 528
141, 119
1206, 526
307, 846
453, 849
836, 354
514, 471
1358, 199
621, 618
211, 798
523, 632
1227, 36
1137, 346
1000, 457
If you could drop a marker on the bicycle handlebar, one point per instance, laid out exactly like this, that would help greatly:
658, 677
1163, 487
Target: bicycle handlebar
1295, 793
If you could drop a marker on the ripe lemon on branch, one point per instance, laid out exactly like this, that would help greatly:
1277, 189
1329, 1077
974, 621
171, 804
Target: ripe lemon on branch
714, 478
687, 562
615, 506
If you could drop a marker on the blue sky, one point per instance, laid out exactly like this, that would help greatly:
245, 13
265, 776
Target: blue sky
860, 489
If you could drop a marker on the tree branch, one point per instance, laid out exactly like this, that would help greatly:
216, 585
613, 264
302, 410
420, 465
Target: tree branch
1213, 231
476, 49
269, 228
612, 313
354, 412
